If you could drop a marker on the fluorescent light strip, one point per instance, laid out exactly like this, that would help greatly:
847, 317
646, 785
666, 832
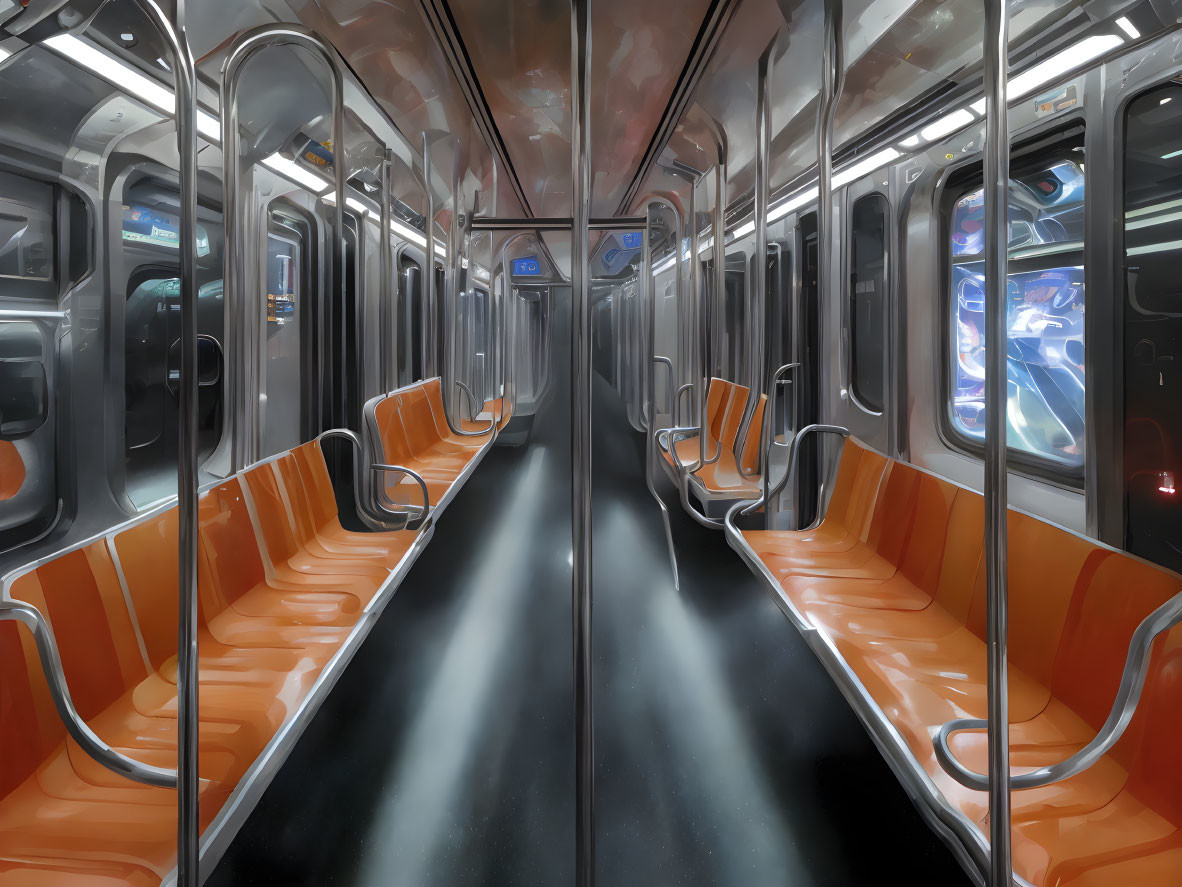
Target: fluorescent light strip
291, 170
947, 124
1168, 247
1128, 27
127, 79
406, 232
114, 71
1172, 155
864, 167
804, 197
4, 53
1075, 56
1153, 221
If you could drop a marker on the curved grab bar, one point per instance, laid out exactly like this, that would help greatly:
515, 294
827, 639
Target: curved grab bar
472, 412
78, 729
479, 432
688, 386
668, 362
417, 478
769, 439
1132, 682
793, 455
363, 493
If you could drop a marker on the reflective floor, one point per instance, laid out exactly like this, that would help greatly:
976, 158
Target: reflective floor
445, 755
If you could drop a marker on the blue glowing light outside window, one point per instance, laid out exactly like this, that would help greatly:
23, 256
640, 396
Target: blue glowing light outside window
1044, 315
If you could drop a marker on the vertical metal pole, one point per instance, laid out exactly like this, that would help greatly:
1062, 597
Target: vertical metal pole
427, 309
832, 80
757, 327
451, 294
580, 381
699, 326
997, 175
388, 306
188, 710
719, 253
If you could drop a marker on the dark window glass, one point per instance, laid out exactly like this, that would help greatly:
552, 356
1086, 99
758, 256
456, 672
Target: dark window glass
1153, 325
868, 291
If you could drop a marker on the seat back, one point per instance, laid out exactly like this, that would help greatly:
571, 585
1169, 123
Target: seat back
391, 433
923, 553
30, 728
733, 417
894, 509
279, 536
418, 422
751, 446
297, 498
1043, 563
717, 397
79, 593
228, 539
309, 458
961, 566
148, 554
1149, 751
1113, 594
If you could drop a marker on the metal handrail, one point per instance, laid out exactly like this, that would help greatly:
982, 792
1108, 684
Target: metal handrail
472, 401
479, 432
372, 513
793, 455
668, 363
769, 438
80, 732
688, 386
1128, 694
417, 478
648, 293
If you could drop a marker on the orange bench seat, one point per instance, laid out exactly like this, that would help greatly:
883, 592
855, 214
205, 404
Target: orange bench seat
282, 587
894, 579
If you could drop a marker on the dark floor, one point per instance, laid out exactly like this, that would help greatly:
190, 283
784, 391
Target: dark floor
445, 755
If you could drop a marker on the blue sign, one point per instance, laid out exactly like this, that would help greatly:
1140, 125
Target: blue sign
527, 267
631, 240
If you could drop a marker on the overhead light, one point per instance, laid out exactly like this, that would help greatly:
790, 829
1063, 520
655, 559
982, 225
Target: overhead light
1075, 56
949, 123
910, 142
864, 167
114, 72
797, 200
1166, 100
1128, 27
351, 202
1172, 155
4, 53
128, 80
406, 232
1168, 247
292, 170
744, 229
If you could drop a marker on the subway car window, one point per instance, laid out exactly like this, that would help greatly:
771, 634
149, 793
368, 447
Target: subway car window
1153, 325
27, 253
1044, 312
868, 295
283, 378
150, 237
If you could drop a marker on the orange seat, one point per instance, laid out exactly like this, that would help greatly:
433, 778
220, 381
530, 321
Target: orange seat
412, 429
12, 470
718, 397
268, 623
894, 577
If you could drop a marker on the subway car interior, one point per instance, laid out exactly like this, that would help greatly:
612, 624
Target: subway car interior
399, 485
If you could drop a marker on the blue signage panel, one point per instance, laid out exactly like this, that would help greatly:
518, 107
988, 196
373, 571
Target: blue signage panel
527, 267
631, 240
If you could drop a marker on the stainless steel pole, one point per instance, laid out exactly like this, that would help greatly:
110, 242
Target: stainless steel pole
580, 380
756, 324
427, 310
997, 176
832, 80
388, 304
188, 481
235, 274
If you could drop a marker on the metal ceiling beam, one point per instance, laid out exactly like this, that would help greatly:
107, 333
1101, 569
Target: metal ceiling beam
620, 223
713, 25
443, 28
